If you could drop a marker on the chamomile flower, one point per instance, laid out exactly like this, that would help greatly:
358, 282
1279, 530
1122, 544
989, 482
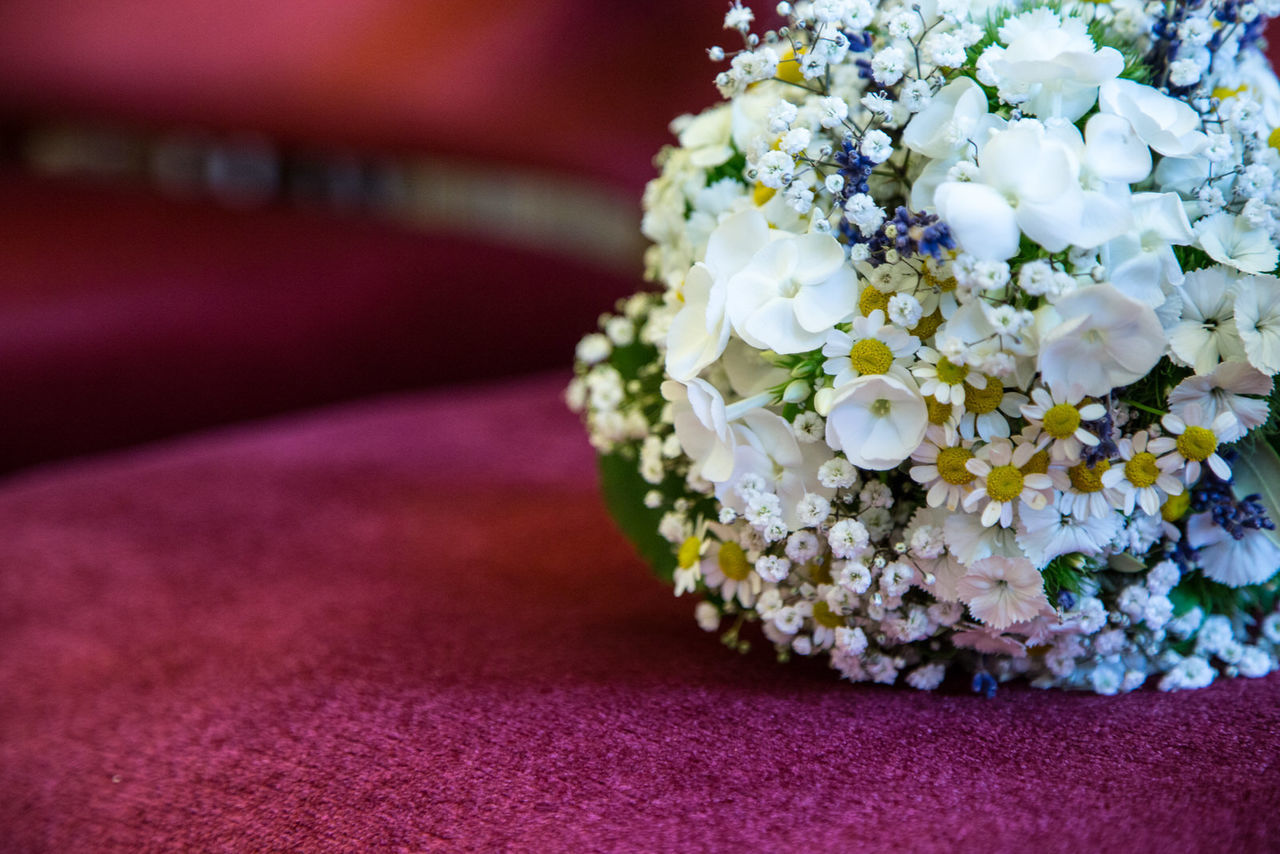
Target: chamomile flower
986, 405
1060, 417
1225, 390
941, 378
1084, 496
1143, 480
1194, 440
725, 568
870, 347
1002, 484
941, 468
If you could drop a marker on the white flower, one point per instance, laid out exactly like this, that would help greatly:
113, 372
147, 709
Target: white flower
870, 347
1141, 262
1084, 495
699, 332
848, 538
1194, 441
1060, 417
1001, 591
1257, 319
1104, 340
1168, 125
942, 379
1207, 332
725, 568
1052, 530
1141, 481
1252, 559
1029, 183
956, 117
1234, 241
768, 454
985, 408
707, 616
593, 348
877, 420
1002, 482
888, 65
704, 431
791, 293
941, 469
1223, 390
1050, 66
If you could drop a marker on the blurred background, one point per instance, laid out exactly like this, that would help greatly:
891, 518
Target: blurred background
224, 209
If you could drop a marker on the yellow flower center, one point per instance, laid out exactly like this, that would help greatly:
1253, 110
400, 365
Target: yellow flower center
819, 571
1062, 421
1177, 506
951, 373
980, 401
733, 562
927, 326
1004, 483
871, 299
938, 412
688, 554
1038, 464
1274, 139
789, 68
761, 195
824, 616
1142, 470
870, 356
941, 284
1086, 479
951, 465
1197, 443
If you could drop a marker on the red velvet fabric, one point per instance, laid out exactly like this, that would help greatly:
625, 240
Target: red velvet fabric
409, 626
124, 317
575, 85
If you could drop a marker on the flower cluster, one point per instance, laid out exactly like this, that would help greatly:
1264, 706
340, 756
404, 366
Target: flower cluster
962, 353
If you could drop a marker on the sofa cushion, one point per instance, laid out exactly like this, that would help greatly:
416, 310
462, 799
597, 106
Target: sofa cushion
409, 625
125, 317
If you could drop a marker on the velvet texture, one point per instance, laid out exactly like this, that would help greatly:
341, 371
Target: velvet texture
572, 85
408, 625
124, 317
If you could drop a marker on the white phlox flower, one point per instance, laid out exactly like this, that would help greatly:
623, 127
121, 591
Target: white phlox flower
702, 427
1168, 125
791, 293
955, 119
877, 420
1141, 263
1050, 65
1029, 182
768, 452
1102, 339
1236, 242
700, 330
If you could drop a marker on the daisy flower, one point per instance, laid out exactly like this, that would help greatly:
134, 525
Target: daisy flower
1002, 483
942, 468
870, 347
1195, 443
1143, 480
1060, 417
725, 568
942, 379
985, 409
1001, 591
1084, 496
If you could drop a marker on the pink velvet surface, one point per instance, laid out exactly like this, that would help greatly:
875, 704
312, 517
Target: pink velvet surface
124, 317
574, 85
408, 625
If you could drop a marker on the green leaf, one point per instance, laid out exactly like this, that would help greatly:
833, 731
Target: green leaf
1256, 471
624, 490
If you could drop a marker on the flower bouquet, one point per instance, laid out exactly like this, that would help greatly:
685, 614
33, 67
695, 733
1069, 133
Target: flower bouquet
963, 351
